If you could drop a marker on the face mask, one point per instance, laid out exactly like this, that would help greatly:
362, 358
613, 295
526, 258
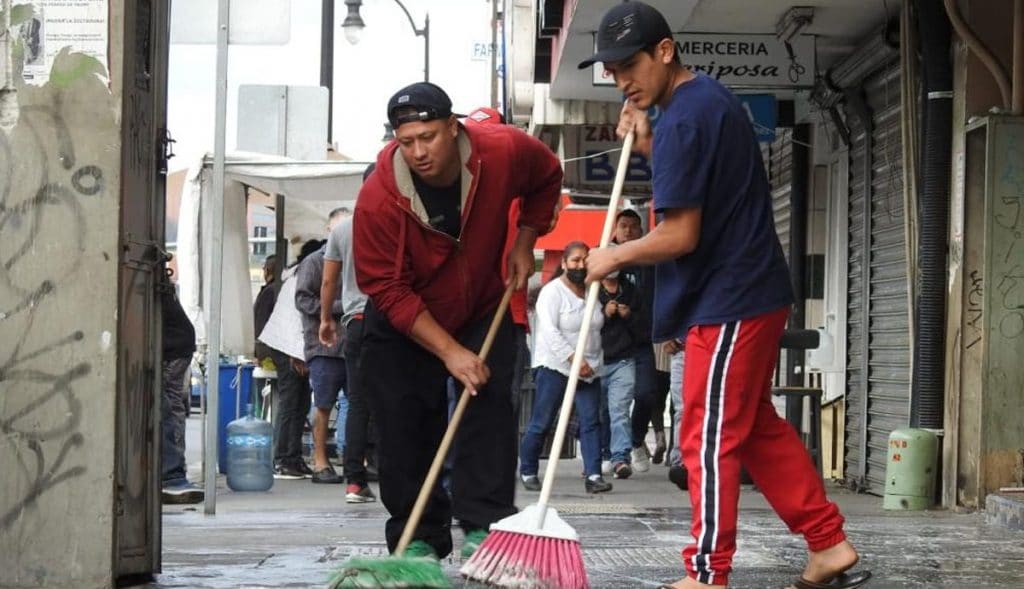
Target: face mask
576, 275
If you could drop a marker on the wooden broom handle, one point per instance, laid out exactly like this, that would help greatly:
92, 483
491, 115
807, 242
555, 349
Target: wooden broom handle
449, 434
581, 342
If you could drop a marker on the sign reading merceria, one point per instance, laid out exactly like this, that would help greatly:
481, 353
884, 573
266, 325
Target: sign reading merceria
743, 61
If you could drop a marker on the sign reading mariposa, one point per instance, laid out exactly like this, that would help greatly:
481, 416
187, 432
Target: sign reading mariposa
742, 61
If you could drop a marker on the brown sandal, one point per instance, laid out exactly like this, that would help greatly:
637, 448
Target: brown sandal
841, 581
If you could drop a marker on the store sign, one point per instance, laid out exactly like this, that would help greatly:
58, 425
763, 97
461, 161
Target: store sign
742, 61
598, 150
482, 51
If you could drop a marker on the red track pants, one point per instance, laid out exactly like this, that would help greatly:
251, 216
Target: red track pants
728, 421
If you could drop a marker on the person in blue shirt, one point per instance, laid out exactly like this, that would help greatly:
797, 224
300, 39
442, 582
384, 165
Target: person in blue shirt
722, 285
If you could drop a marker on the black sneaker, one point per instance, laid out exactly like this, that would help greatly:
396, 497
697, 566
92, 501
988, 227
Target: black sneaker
596, 485
288, 472
678, 475
304, 468
530, 482
622, 470
327, 476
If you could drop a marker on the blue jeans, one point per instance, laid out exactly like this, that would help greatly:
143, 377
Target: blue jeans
547, 400
339, 424
617, 381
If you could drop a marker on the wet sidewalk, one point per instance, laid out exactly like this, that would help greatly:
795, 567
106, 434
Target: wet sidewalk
297, 533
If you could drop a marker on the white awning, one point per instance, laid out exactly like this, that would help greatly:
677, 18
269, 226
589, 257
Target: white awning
310, 189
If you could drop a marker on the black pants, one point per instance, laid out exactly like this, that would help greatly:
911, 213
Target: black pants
358, 443
407, 389
520, 367
661, 380
291, 406
643, 394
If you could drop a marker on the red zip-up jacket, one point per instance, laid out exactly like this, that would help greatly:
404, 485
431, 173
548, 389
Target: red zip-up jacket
405, 266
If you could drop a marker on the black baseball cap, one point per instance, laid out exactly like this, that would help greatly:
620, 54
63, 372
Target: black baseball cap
429, 100
626, 29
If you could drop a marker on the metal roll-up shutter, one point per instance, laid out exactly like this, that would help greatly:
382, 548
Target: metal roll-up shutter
878, 329
779, 163
855, 337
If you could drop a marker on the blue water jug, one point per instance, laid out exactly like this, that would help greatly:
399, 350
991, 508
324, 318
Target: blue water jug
250, 453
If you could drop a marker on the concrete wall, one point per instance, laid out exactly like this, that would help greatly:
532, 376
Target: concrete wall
59, 214
977, 410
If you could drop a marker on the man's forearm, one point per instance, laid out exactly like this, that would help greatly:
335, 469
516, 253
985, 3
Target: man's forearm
427, 332
677, 235
526, 237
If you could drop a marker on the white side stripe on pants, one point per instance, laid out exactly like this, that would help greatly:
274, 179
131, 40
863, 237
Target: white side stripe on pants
711, 441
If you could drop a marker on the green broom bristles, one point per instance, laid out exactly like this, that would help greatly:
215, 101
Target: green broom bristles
390, 573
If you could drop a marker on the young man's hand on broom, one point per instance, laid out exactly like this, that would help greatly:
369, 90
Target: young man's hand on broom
636, 120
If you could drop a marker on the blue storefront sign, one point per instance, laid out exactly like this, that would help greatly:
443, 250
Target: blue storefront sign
763, 116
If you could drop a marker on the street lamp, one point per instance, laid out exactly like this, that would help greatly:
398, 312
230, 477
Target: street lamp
353, 27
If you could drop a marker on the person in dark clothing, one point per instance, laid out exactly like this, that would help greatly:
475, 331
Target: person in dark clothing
264, 306
628, 228
179, 343
428, 237
623, 329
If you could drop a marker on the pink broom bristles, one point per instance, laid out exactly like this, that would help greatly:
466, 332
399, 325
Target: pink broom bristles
525, 558
521, 561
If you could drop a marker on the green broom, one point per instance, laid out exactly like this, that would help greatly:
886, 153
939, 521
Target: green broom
399, 571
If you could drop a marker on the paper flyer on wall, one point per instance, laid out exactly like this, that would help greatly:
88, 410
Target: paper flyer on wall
80, 25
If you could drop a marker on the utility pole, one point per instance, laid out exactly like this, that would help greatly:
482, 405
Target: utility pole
327, 61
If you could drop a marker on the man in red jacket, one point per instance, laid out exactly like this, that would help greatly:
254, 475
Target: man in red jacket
429, 232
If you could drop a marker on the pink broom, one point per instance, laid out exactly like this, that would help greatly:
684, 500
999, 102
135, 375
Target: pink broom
535, 548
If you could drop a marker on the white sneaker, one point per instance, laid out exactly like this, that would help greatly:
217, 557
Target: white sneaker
641, 459
607, 467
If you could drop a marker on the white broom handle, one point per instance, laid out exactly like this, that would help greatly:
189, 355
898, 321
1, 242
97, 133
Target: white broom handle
581, 343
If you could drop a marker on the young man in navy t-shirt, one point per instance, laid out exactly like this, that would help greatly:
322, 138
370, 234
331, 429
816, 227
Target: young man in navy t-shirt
722, 285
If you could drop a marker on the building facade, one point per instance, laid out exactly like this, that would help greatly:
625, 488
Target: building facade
895, 190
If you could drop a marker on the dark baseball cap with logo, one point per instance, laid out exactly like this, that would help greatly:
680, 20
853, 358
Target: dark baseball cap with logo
423, 101
626, 29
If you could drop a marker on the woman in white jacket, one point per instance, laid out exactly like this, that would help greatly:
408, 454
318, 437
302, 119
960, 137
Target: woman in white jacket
559, 316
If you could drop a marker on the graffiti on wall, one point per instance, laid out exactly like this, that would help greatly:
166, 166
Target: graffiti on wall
1008, 239
45, 188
